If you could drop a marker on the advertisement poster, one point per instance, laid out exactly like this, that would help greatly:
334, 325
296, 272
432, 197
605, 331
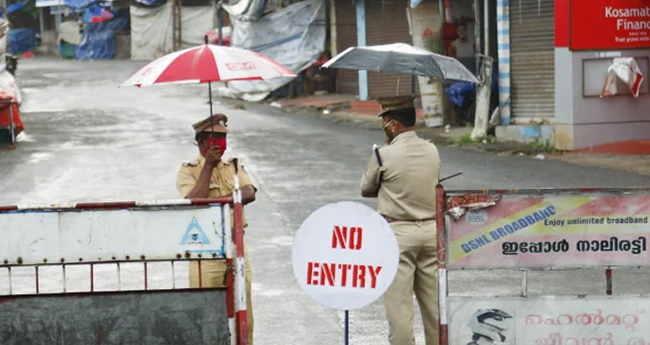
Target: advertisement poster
610, 24
559, 320
553, 231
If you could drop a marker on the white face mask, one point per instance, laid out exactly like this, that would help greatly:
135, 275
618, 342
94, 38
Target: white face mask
388, 133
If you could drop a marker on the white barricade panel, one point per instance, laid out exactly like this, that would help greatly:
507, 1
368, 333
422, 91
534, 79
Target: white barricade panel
553, 320
39, 237
553, 231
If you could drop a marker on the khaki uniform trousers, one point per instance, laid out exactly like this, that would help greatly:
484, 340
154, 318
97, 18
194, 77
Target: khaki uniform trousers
213, 275
417, 273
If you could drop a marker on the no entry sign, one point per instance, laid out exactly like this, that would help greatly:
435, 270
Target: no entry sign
345, 255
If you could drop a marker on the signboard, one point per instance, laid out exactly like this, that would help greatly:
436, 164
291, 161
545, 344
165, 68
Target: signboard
553, 320
41, 237
558, 231
610, 24
345, 255
48, 3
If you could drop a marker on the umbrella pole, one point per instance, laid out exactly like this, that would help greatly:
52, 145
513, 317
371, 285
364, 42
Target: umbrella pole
210, 96
205, 38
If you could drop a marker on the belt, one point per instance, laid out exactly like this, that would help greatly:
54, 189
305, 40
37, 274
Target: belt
392, 220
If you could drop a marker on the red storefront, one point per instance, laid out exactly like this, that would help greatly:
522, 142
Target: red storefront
591, 37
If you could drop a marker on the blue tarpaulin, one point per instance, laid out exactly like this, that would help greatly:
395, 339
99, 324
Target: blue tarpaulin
15, 7
97, 14
77, 4
21, 40
149, 2
458, 91
98, 40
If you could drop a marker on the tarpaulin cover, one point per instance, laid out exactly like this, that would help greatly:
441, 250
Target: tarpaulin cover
98, 40
4, 28
15, 7
152, 29
77, 4
148, 2
97, 14
628, 71
293, 36
4, 113
8, 84
70, 32
21, 40
457, 92
246, 10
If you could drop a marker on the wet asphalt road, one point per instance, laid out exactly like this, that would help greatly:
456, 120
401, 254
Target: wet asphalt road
87, 140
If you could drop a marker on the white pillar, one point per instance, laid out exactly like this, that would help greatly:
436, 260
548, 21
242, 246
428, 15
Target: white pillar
361, 42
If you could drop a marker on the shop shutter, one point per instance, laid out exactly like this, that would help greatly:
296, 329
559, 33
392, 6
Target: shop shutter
532, 37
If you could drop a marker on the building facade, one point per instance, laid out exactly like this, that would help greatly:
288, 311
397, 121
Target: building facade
553, 58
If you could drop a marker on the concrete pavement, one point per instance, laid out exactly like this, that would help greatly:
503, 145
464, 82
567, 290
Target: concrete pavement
88, 140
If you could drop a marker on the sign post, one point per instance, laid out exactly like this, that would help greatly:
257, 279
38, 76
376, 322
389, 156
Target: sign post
345, 256
347, 327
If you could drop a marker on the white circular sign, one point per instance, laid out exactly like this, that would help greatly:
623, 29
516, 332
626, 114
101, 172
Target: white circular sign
345, 255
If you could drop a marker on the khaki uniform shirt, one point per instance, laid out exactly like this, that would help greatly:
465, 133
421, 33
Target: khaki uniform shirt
411, 166
222, 182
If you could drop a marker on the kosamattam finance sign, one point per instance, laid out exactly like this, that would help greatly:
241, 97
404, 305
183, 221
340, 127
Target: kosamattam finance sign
557, 231
345, 255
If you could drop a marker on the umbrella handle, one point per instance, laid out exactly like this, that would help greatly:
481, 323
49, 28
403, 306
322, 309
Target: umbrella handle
205, 39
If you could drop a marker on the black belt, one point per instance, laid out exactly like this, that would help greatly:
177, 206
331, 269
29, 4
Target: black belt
392, 220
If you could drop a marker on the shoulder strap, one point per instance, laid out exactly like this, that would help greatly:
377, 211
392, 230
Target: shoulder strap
236, 162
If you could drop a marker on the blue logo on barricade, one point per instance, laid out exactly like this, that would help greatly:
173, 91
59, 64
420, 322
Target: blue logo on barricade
195, 234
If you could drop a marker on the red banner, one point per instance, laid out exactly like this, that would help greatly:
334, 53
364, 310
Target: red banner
610, 24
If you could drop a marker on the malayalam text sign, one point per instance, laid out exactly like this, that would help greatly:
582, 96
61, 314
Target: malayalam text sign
550, 320
610, 24
553, 231
345, 255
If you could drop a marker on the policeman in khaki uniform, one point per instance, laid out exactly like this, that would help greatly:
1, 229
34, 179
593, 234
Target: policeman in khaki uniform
210, 176
403, 177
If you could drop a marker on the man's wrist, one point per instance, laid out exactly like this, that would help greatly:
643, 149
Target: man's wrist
211, 165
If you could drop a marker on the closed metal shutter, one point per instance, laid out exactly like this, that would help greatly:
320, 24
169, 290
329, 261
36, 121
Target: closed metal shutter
386, 22
532, 44
347, 81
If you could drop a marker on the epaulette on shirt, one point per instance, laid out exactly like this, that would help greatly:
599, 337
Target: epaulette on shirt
191, 164
196, 162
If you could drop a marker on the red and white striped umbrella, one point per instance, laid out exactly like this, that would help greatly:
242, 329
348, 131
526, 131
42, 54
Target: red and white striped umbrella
208, 63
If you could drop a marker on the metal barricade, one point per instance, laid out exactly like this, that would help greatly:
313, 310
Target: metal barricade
117, 273
543, 232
